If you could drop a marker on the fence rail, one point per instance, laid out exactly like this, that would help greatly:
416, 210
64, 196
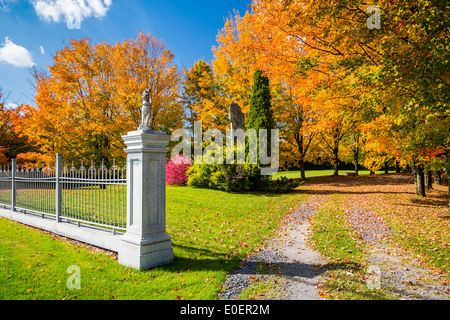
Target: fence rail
85, 195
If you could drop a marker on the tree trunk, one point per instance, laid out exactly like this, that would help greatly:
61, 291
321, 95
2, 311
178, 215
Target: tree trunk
356, 151
428, 180
448, 179
397, 167
336, 168
355, 158
299, 141
437, 178
372, 172
302, 168
336, 160
416, 182
386, 168
301, 149
420, 181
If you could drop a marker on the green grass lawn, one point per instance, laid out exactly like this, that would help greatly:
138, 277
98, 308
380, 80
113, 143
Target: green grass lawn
211, 232
318, 173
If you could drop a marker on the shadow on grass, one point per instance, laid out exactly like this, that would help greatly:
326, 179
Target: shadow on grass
340, 181
341, 184
250, 193
379, 179
438, 200
182, 264
196, 259
343, 265
211, 261
432, 200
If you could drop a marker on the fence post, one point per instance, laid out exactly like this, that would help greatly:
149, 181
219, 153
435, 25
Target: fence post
13, 184
146, 244
58, 187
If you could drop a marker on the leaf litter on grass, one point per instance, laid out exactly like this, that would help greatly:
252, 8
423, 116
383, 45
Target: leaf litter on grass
408, 271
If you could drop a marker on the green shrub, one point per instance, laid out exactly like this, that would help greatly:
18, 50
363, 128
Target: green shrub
227, 177
199, 175
236, 177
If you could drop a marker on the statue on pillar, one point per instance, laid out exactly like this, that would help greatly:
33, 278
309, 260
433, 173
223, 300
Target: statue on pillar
146, 122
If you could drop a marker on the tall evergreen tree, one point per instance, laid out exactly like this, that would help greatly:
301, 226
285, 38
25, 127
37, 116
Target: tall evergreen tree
260, 115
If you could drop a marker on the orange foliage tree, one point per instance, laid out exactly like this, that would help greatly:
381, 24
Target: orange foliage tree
350, 76
12, 142
92, 95
202, 97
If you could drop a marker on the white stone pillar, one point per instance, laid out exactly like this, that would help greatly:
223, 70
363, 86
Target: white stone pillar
146, 244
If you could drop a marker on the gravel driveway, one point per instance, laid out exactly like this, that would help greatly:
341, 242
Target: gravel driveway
286, 260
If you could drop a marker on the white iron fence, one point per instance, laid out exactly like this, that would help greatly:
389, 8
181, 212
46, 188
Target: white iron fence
84, 195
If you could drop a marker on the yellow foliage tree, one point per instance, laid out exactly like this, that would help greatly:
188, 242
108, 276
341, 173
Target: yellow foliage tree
92, 96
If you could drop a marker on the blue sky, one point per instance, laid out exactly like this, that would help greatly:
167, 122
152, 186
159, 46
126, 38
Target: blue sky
31, 31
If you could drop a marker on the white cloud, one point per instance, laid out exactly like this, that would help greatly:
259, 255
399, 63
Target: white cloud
70, 11
42, 49
16, 55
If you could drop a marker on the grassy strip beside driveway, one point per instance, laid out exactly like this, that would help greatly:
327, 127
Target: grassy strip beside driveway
346, 274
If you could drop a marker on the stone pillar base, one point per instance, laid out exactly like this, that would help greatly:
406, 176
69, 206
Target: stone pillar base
146, 253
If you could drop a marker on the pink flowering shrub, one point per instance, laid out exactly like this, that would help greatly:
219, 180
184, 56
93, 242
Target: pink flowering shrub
176, 169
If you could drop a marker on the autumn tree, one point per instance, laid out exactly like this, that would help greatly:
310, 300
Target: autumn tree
237, 59
202, 97
12, 142
234, 62
91, 96
298, 130
331, 134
